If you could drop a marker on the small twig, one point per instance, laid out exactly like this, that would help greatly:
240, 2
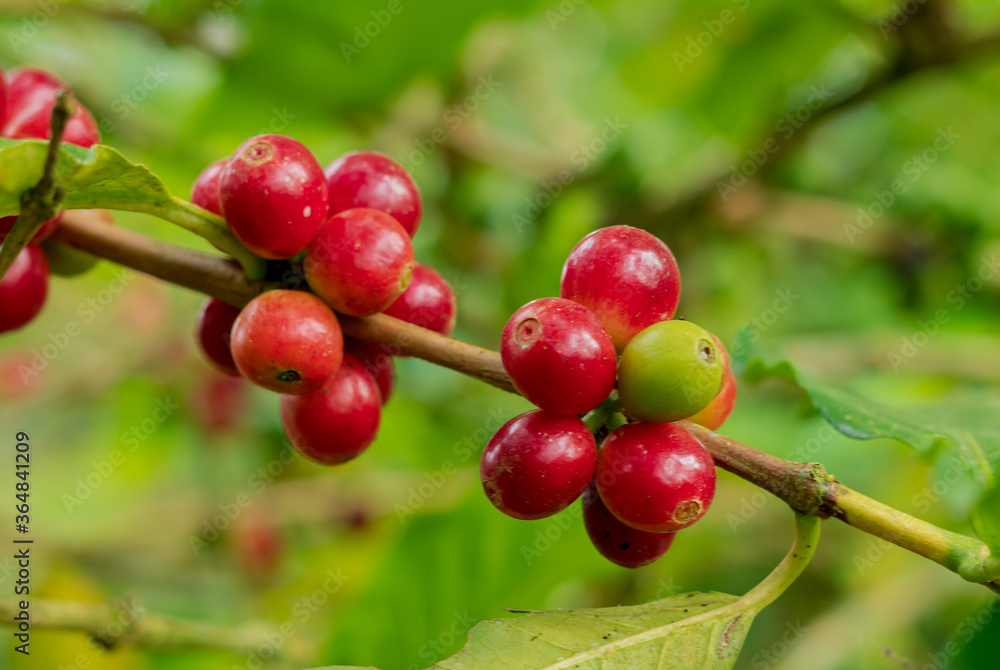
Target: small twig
39, 203
127, 622
806, 487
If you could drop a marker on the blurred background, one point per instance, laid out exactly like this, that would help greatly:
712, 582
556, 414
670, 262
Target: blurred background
824, 172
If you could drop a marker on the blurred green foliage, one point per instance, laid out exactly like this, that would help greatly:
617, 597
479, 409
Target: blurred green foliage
526, 124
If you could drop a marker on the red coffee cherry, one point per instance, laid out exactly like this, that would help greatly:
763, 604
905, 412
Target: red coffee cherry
620, 544
32, 95
3, 98
287, 342
377, 361
628, 278
559, 356
360, 262
655, 477
214, 333
427, 302
721, 406
273, 196
44, 233
537, 464
23, 289
339, 421
373, 180
205, 190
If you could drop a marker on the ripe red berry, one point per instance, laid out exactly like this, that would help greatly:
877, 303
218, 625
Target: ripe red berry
655, 477
258, 543
44, 233
559, 356
721, 406
537, 464
3, 98
628, 278
214, 332
339, 421
23, 289
287, 341
360, 262
205, 190
273, 196
427, 302
377, 361
373, 180
32, 95
620, 544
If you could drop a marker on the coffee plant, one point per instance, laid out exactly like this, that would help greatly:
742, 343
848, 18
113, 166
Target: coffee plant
315, 293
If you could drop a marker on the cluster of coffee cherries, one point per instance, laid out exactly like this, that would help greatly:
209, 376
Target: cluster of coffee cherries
346, 231
27, 97
610, 342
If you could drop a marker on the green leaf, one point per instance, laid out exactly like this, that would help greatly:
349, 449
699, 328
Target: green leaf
691, 630
959, 434
985, 518
101, 178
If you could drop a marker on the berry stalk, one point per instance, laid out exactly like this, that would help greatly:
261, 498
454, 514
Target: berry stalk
806, 487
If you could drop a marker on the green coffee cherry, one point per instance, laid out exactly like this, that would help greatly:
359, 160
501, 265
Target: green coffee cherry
65, 261
669, 371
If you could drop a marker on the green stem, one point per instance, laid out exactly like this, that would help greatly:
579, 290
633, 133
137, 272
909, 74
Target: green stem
207, 225
597, 417
807, 530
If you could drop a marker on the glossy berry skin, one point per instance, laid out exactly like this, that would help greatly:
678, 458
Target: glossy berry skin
377, 361
427, 302
23, 289
718, 410
559, 356
32, 95
620, 544
537, 464
214, 332
3, 98
360, 262
44, 233
273, 196
669, 371
627, 277
339, 421
287, 342
205, 190
373, 180
655, 477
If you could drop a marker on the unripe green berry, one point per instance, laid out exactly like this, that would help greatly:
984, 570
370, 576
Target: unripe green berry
669, 371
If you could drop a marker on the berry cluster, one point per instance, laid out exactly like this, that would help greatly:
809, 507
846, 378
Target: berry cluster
611, 330
27, 98
347, 231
